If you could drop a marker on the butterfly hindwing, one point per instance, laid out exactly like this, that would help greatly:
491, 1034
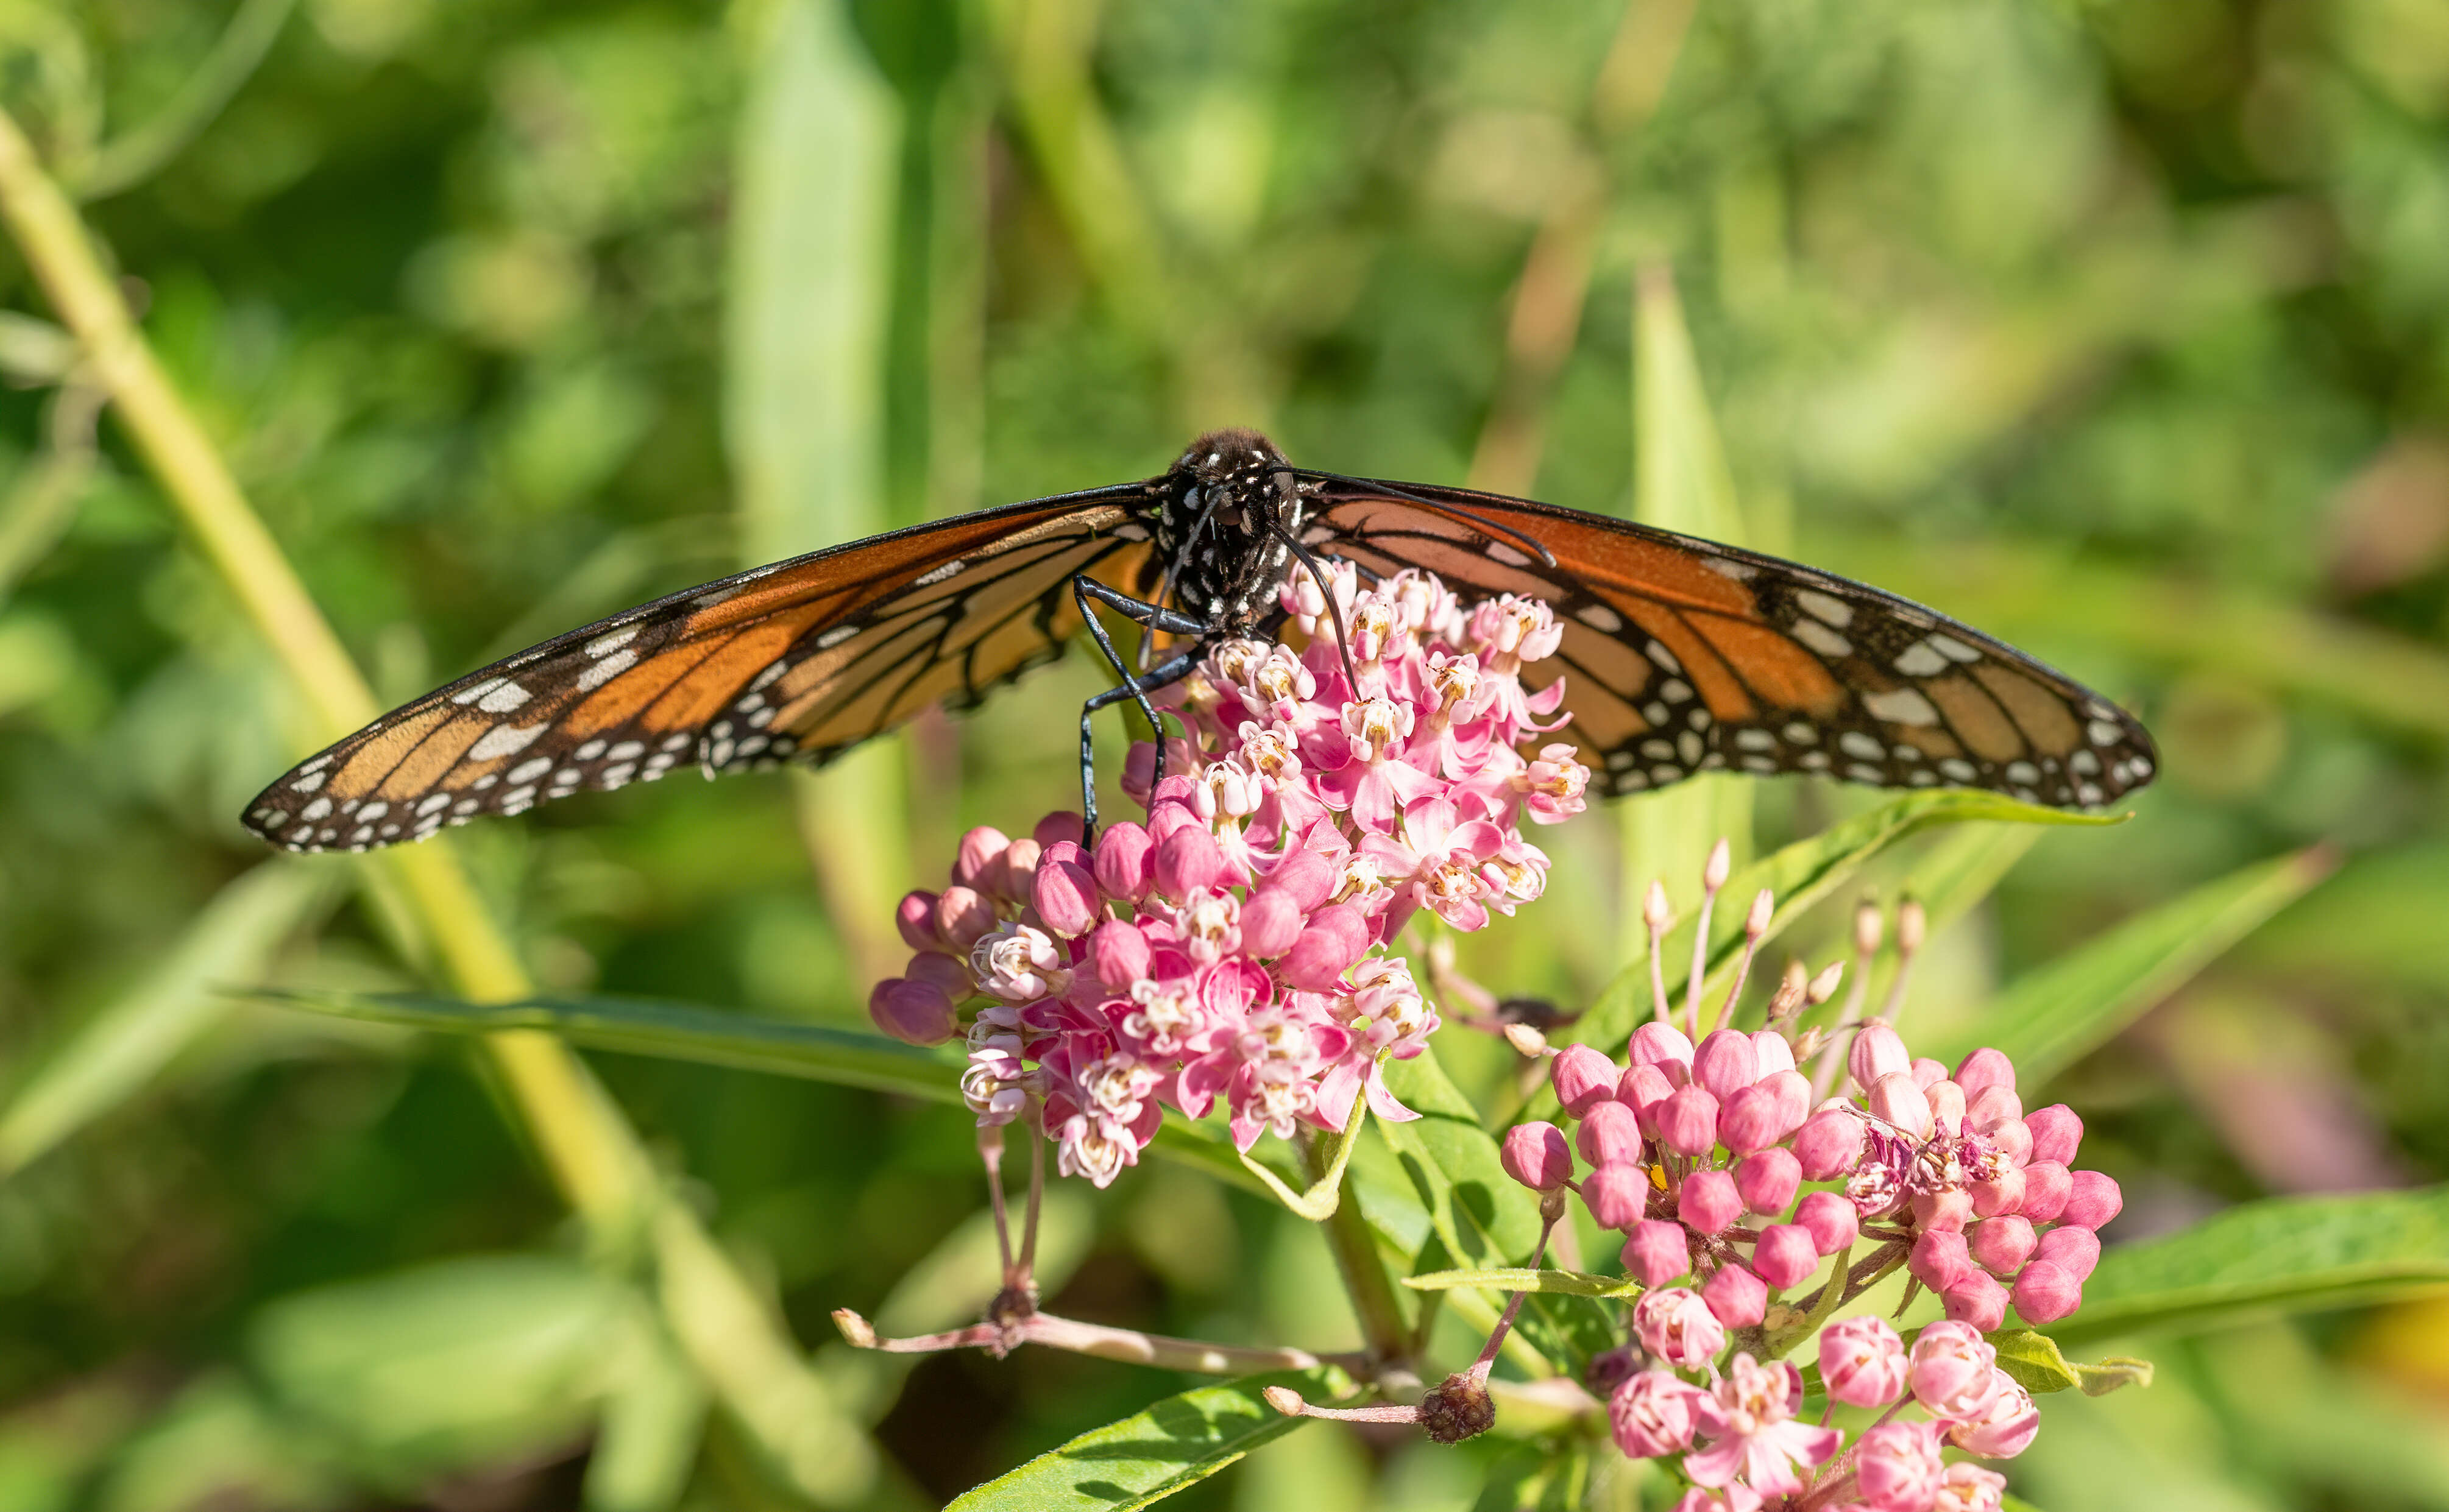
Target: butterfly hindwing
1682, 656
803, 658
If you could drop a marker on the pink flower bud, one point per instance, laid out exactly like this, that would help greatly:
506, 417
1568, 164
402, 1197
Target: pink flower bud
1675, 1324
1118, 953
1709, 1203
2003, 1431
1126, 862
1335, 938
1967, 1487
2003, 1193
912, 1012
1738, 1298
1688, 1122
1828, 1143
2074, 1250
1946, 1106
1583, 1079
1748, 1120
1656, 1043
916, 919
1766, 1180
1642, 1089
1064, 895
1608, 1132
1535, 1155
1832, 1221
1947, 1210
1985, 1069
1271, 922
2045, 1293
1791, 1091
1654, 1414
963, 917
1056, 828
2057, 1132
1898, 1468
1975, 1298
1861, 1361
1785, 1255
1008, 878
1306, 876
1940, 1259
1657, 1252
2047, 1185
937, 969
2001, 1245
980, 851
1953, 1371
1725, 1063
1774, 1051
1991, 1107
1896, 1099
2009, 1137
1616, 1195
1877, 1051
1187, 861
2093, 1199
1928, 1073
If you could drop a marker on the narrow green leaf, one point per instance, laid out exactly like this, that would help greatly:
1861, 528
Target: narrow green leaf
120, 1048
2053, 1016
2039, 1366
1521, 1278
2285, 1254
1318, 1200
1155, 1452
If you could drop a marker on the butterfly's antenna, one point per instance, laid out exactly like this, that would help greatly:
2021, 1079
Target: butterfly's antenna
1326, 590
1480, 523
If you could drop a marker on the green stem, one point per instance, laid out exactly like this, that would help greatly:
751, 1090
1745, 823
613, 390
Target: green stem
1364, 1273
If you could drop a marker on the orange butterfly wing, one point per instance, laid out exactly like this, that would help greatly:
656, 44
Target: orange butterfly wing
1682, 656
803, 658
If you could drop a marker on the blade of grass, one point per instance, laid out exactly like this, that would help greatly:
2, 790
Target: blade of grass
128, 160
588, 1149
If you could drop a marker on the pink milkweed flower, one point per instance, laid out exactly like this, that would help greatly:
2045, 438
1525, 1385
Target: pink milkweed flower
1970, 1488
1017, 963
1954, 1372
2006, 1428
1654, 1412
1897, 1466
1096, 1148
1732, 1498
1675, 1324
1448, 851
1364, 772
1552, 786
1753, 1436
1862, 1362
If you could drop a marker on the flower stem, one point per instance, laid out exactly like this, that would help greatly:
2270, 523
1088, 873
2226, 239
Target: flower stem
1364, 1274
1098, 1339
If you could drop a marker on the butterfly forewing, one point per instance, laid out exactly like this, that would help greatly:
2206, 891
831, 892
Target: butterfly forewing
1681, 655
804, 659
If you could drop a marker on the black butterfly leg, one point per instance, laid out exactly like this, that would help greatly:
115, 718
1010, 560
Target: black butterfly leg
1136, 686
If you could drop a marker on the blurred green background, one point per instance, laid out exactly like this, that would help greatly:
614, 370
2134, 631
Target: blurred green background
2118, 329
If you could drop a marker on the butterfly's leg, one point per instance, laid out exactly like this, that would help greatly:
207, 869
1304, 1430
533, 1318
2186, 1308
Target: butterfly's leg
1136, 686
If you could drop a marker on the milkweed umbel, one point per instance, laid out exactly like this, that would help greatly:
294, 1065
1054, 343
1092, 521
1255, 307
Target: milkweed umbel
1681, 655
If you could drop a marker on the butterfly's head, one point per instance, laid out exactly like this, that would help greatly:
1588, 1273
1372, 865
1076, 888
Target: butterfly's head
1237, 468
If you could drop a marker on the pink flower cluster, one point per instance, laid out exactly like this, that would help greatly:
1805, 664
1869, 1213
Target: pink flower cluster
1731, 1184
1232, 947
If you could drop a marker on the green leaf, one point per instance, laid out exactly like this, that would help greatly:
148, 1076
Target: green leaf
1522, 1278
119, 1050
2053, 1017
2285, 1254
1801, 874
2039, 1366
1154, 1452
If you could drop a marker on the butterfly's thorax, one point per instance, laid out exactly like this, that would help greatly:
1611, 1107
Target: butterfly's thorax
1220, 558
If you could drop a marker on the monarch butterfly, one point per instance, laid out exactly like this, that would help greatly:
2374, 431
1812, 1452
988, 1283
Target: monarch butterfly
1681, 655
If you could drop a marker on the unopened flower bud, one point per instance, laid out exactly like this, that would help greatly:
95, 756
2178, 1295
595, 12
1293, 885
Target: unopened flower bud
1535, 1155
1861, 1361
1824, 986
2003, 1193
1945, 1211
2047, 1185
2001, 1245
963, 916
1946, 1107
1064, 895
1828, 1143
1271, 922
1709, 1203
1877, 1051
1187, 861
1952, 1370
1773, 1052
1616, 1195
1661, 1045
1688, 1122
1832, 1221
1307, 876
1940, 1259
1738, 1298
2074, 1250
1992, 1107
2093, 1199
1897, 1100
2057, 1133
916, 919
1766, 1180
1976, 1297
1750, 1120
2003, 1431
1583, 1079
1868, 926
1928, 1073
1118, 953
1790, 1091
1124, 862
912, 1012
1725, 1063
1642, 1090
937, 969
1789, 997
1719, 867
1654, 910
1657, 1252
1009, 878
1785, 1255
2044, 1293
1336, 937
980, 851
1654, 1413
1608, 1132
1674, 1324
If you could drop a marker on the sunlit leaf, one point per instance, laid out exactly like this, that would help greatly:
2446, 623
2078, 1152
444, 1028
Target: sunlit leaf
1520, 1278
2037, 1364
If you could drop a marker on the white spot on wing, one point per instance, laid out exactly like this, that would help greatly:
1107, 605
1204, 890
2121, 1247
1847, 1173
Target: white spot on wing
1501, 552
835, 635
606, 670
1820, 638
604, 645
502, 741
1822, 606
949, 569
1920, 660
1901, 706
1952, 648
504, 698
1600, 618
